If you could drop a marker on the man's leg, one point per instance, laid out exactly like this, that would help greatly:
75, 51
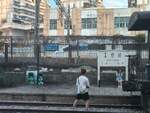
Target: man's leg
120, 84
75, 102
87, 102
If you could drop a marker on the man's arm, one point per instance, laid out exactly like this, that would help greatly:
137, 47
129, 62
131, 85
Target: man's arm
88, 83
77, 81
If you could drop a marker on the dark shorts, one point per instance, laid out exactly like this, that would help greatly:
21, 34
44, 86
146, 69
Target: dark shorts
84, 96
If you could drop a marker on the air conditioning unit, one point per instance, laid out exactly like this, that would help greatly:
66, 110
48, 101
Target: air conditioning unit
86, 5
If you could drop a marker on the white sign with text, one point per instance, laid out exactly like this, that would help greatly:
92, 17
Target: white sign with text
112, 58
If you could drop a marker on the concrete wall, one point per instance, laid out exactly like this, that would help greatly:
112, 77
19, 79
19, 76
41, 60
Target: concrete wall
145, 102
12, 79
67, 78
148, 99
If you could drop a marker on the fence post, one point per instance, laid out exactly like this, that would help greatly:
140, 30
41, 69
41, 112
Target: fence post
6, 50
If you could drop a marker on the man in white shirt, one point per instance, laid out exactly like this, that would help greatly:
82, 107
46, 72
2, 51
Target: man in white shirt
82, 84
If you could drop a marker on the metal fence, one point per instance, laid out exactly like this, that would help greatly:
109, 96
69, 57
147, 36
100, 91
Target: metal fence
56, 47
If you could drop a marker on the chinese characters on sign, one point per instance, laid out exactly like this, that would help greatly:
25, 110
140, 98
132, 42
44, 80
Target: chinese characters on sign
112, 55
113, 58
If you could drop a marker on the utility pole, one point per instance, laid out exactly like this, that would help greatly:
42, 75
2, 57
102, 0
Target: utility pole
11, 45
78, 48
68, 36
36, 36
6, 44
149, 46
67, 16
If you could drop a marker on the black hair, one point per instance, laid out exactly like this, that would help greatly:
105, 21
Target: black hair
83, 71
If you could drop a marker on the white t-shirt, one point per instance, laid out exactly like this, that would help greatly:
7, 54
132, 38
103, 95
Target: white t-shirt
82, 84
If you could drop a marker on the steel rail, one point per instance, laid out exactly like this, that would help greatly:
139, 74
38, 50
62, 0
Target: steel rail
52, 104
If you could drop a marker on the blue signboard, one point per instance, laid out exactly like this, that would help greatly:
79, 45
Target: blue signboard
83, 47
51, 47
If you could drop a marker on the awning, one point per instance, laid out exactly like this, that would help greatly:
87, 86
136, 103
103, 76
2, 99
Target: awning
139, 21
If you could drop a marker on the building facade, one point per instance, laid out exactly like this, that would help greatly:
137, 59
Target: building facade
17, 17
141, 4
93, 20
88, 17
82, 3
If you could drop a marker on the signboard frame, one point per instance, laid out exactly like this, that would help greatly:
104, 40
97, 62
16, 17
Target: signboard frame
112, 58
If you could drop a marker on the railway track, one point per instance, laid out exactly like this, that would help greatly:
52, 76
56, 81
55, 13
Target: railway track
53, 104
47, 107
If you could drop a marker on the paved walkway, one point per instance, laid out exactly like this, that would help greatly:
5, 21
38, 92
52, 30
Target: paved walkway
66, 90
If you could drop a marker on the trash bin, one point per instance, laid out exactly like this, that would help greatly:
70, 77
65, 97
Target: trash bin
33, 79
147, 72
40, 79
30, 78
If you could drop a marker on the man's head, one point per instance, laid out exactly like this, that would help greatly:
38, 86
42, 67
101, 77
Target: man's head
83, 71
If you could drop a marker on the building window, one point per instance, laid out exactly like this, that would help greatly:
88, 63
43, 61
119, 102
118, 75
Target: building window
16, 19
29, 6
16, 10
16, 3
113, 46
89, 23
132, 3
121, 22
53, 24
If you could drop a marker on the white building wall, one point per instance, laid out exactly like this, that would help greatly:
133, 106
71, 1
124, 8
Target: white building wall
88, 13
52, 32
88, 32
140, 2
18, 29
77, 4
15, 32
53, 14
148, 6
10, 12
92, 13
18, 33
123, 12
